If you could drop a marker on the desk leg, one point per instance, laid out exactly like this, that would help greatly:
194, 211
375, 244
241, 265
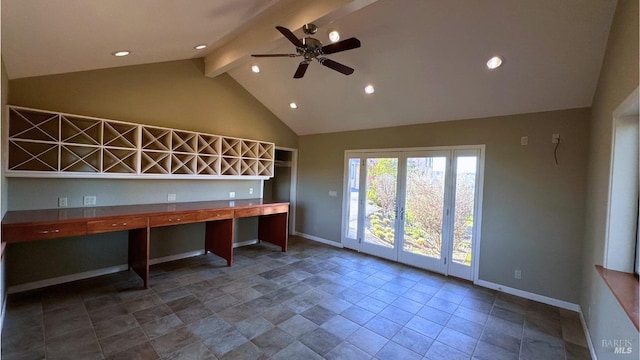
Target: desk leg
274, 228
139, 253
218, 239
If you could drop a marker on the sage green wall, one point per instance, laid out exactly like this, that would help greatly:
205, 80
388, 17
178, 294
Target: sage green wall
618, 78
533, 209
172, 94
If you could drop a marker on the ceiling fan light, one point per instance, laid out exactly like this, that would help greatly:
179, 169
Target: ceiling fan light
121, 53
369, 89
494, 63
255, 68
293, 105
334, 35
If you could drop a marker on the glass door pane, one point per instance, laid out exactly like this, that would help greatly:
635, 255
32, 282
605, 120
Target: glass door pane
380, 206
352, 204
424, 211
464, 204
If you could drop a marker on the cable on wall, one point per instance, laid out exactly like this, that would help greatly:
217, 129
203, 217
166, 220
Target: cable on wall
555, 151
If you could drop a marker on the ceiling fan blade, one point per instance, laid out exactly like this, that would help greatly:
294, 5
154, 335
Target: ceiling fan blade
302, 68
275, 55
336, 66
343, 45
289, 35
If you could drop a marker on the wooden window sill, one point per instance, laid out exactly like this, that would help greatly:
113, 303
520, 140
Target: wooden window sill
624, 287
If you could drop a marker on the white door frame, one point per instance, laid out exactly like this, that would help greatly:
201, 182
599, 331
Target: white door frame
477, 231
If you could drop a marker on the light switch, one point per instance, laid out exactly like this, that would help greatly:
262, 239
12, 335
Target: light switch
524, 140
333, 193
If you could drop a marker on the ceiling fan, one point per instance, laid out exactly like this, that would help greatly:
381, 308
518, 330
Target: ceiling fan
312, 49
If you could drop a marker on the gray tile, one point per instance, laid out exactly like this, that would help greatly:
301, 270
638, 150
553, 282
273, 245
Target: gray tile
358, 315
394, 350
500, 339
77, 344
193, 313
143, 351
457, 340
505, 327
224, 340
298, 326
122, 341
382, 326
296, 351
465, 326
346, 351
424, 327
162, 326
372, 304
320, 340
413, 340
253, 326
318, 314
435, 315
486, 351
273, 341
367, 341
115, 325
246, 351
340, 326
278, 314
440, 351
443, 305
577, 352
366, 307
533, 349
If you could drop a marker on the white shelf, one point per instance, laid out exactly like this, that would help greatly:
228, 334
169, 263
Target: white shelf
42, 143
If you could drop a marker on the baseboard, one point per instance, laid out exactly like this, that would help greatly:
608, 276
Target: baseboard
98, 272
67, 278
319, 239
592, 349
174, 257
245, 243
529, 295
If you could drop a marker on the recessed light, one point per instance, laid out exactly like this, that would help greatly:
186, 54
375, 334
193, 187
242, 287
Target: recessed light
121, 53
494, 62
293, 105
369, 89
200, 47
255, 68
334, 35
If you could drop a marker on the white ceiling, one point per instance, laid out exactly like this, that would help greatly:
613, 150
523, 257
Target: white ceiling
426, 58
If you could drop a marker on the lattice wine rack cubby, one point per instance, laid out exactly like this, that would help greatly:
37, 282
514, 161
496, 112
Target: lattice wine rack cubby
43, 143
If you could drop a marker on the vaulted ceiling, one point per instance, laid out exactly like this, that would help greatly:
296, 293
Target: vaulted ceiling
425, 58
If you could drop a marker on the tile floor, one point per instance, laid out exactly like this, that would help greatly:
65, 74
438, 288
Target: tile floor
313, 302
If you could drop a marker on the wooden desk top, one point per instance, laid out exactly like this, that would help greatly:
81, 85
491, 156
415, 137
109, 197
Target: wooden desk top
27, 217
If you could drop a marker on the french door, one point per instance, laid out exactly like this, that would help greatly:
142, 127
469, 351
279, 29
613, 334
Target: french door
419, 207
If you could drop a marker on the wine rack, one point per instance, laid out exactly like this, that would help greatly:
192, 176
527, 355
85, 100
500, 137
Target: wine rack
42, 143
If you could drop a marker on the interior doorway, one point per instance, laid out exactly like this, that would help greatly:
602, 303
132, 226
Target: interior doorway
282, 186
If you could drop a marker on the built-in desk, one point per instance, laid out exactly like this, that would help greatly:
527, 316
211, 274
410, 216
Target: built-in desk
35, 225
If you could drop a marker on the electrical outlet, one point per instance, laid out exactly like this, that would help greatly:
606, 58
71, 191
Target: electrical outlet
62, 202
333, 193
171, 197
524, 140
517, 274
232, 194
555, 138
89, 200
250, 191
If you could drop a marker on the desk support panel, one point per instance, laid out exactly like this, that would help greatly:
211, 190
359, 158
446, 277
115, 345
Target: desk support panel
139, 253
274, 229
218, 239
